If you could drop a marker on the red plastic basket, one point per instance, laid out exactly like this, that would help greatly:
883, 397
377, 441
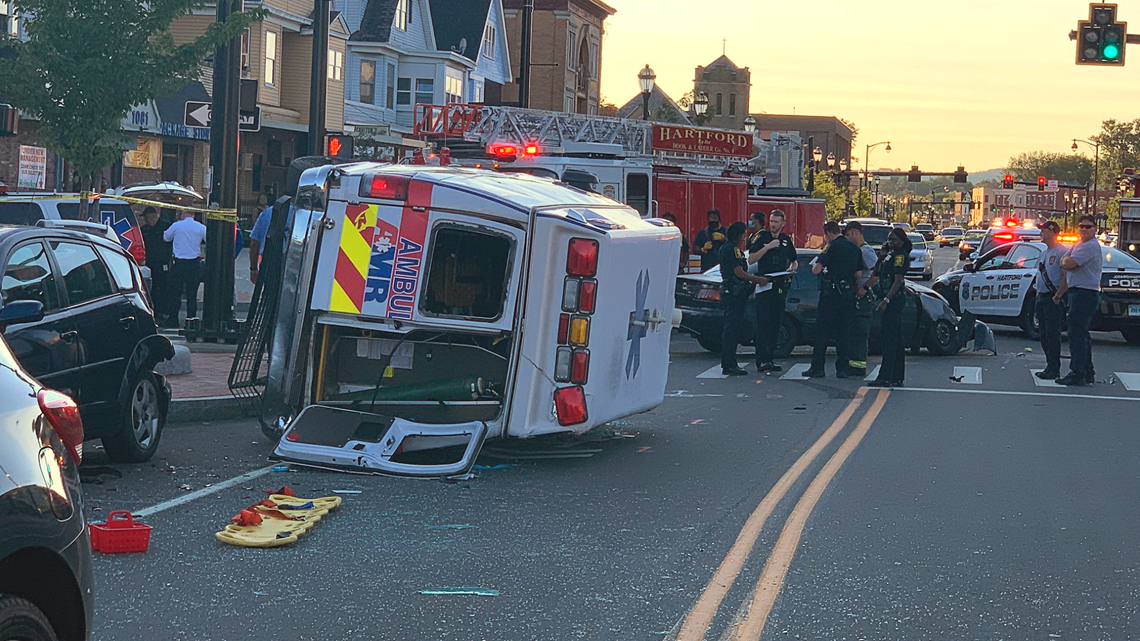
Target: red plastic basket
119, 535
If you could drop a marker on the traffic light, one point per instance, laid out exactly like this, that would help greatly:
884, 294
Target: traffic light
914, 175
1007, 182
1101, 39
339, 146
960, 175
1041, 183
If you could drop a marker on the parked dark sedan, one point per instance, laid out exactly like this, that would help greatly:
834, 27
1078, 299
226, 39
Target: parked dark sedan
45, 553
94, 338
928, 319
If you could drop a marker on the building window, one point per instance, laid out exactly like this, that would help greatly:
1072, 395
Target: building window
9, 18
270, 58
404, 91
453, 89
720, 104
403, 15
391, 87
732, 104
336, 65
425, 91
245, 53
570, 48
489, 42
368, 82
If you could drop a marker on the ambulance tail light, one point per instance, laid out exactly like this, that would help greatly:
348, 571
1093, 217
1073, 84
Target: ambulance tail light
386, 186
588, 296
579, 366
580, 331
564, 329
563, 362
582, 259
138, 252
571, 291
570, 405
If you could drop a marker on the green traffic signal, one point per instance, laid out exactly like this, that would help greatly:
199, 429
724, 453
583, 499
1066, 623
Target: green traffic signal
1111, 52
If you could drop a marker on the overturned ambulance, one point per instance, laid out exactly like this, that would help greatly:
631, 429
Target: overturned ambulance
428, 307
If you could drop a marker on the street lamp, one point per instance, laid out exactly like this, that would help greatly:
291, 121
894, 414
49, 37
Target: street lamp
647, 79
750, 124
700, 105
876, 195
1096, 170
867, 156
817, 155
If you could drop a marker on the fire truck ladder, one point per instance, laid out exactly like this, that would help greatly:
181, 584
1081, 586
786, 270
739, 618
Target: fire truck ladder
486, 125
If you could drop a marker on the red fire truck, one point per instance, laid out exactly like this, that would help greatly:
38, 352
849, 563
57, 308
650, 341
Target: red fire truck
656, 169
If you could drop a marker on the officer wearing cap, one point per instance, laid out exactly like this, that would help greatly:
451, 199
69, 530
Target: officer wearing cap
865, 300
772, 252
844, 265
736, 285
1050, 312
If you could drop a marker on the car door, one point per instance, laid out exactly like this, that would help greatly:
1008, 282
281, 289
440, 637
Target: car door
976, 292
104, 321
1015, 282
48, 349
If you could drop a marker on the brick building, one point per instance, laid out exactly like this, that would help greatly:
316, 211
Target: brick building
727, 87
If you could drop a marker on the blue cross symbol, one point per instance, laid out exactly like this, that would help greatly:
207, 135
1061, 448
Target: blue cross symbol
121, 227
637, 331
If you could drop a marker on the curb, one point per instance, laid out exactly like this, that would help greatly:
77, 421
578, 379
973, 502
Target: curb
211, 408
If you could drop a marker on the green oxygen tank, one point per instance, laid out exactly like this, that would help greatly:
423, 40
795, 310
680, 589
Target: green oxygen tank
452, 389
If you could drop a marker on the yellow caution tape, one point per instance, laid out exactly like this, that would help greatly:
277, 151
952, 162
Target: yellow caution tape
225, 215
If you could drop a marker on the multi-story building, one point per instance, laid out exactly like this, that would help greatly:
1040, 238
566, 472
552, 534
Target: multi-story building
831, 135
727, 87
566, 53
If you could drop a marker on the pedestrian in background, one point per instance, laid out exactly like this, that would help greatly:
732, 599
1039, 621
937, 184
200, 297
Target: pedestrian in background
710, 241
684, 261
257, 237
1083, 265
865, 301
893, 265
189, 239
736, 285
1050, 312
843, 263
772, 252
158, 257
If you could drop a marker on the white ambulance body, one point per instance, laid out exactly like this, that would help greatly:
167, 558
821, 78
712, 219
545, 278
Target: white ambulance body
435, 307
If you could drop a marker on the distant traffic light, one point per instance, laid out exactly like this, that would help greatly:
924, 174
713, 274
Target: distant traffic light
339, 146
1041, 183
1007, 182
960, 175
1101, 39
914, 175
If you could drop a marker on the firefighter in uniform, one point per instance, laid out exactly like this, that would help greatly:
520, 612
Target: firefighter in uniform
772, 252
892, 274
865, 300
710, 241
844, 264
736, 286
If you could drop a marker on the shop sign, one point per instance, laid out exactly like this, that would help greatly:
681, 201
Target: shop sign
708, 142
33, 168
182, 131
146, 155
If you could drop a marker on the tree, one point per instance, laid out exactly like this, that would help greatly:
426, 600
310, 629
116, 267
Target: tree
1119, 149
686, 102
864, 203
86, 63
1054, 166
853, 128
832, 194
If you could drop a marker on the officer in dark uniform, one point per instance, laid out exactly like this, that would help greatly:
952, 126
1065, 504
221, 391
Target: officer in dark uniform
844, 264
736, 285
892, 275
710, 241
772, 252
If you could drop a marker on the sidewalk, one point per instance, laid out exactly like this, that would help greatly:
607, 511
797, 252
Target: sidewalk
204, 393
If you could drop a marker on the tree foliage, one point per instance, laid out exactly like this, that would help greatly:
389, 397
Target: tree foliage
1119, 149
86, 63
864, 202
1054, 166
832, 194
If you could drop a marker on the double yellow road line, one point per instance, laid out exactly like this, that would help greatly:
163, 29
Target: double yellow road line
763, 596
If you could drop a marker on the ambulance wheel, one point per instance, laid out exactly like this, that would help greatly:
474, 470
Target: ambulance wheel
709, 343
1029, 322
1132, 335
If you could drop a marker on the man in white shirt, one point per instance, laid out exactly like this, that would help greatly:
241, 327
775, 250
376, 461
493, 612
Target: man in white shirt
189, 239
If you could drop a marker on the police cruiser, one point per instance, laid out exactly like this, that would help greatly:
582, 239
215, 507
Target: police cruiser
999, 288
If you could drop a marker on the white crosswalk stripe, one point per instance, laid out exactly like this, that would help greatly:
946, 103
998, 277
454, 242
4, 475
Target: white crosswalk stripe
968, 375
796, 373
714, 372
1040, 383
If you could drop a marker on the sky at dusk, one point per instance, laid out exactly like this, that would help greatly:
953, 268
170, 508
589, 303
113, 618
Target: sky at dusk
970, 82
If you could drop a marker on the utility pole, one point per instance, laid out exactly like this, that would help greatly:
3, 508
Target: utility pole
218, 294
318, 83
524, 57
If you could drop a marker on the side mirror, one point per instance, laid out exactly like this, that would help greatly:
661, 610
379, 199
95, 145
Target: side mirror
974, 256
968, 268
21, 311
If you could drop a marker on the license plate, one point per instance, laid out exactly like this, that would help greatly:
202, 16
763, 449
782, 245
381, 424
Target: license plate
1134, 310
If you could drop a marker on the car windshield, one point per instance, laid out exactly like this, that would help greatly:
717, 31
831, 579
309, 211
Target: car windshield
924, 227
917, 241
875, 234
1116, 259
952, 231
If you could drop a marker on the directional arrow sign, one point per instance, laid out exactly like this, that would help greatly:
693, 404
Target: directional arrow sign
198, 114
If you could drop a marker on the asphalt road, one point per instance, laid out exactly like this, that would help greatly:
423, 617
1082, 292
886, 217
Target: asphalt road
799, 509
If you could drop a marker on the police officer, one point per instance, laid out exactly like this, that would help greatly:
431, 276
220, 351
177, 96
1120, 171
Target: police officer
772, 252
736, 285
893, 266
844, 264
865, 301
710, 241
1050, 312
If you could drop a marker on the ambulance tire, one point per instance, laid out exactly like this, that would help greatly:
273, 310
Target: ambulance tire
1028, 321
1131, 335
